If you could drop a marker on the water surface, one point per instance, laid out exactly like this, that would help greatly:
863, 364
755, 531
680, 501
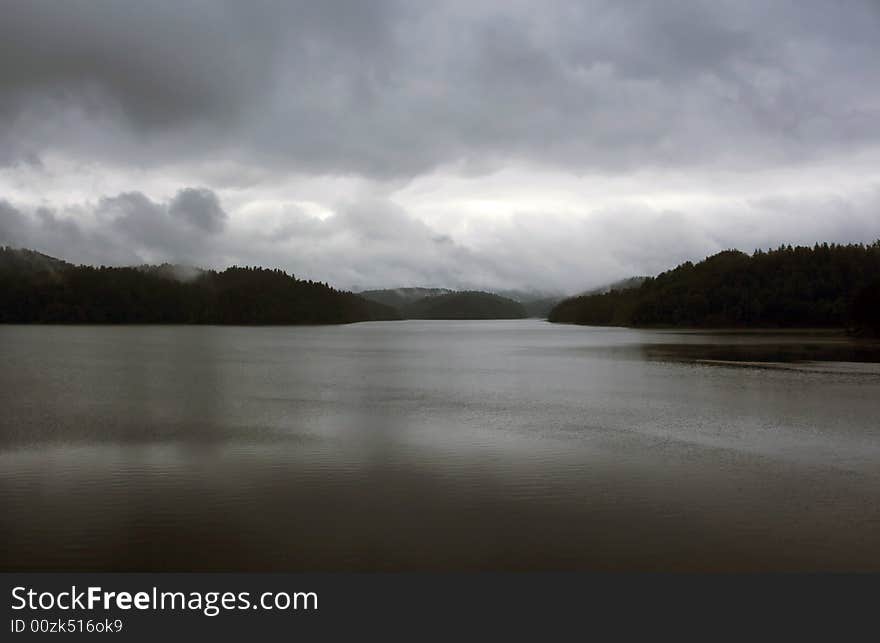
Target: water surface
436, 445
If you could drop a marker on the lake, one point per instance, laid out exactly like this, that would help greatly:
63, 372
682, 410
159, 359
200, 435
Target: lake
437, 445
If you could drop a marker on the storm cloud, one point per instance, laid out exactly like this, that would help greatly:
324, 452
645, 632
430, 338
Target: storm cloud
551, 145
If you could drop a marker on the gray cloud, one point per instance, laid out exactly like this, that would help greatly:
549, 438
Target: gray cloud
375, 243
11, 225
392, 89
270, 95
200, 208
126, 229
159, 65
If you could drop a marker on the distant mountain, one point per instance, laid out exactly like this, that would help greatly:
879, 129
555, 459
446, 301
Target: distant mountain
36, 288
537, 303
823, 286
400, 298
465, 305
541, 307
443, 303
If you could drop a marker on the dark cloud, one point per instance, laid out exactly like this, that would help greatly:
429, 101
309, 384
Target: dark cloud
162, 80
129, 228
63, 236
258, 101
180, 231
392, 89
160, 64
200, 208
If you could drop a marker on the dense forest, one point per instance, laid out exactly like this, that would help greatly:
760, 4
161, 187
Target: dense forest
35, 288
823, 286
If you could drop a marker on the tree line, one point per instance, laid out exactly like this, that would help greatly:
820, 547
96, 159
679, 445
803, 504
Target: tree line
35, 288
827, 285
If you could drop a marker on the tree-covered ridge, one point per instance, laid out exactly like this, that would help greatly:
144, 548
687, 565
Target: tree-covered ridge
39, 289
442, 303
465, 305
823, 286
400, 298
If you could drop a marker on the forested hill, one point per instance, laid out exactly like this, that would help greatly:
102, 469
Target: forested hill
35, 288
823, 286
400, 298
465, 305
442, 303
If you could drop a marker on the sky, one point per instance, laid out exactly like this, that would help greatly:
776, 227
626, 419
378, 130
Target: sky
548, 146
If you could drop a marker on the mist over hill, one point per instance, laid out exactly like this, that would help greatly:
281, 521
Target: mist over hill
821, 286
400, 298
622, 284
441, 303
36, 288
465, 305
476, 305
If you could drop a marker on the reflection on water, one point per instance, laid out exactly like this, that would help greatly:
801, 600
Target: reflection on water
764, 348
437, 445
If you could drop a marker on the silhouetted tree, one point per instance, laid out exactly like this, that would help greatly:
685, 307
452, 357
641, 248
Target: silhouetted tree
823, 286
37, 288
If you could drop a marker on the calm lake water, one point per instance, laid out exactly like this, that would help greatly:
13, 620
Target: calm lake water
436, 445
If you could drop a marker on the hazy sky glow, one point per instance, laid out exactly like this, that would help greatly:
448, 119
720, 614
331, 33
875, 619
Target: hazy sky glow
507, 144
